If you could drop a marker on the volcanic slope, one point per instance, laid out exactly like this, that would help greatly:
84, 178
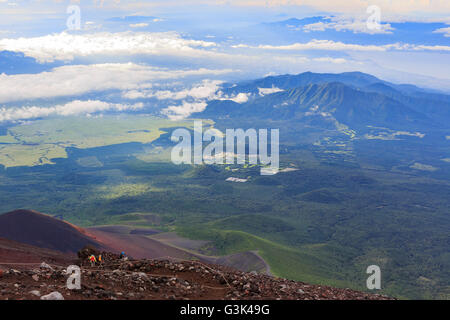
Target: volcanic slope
43, 231
23, 256
118, 279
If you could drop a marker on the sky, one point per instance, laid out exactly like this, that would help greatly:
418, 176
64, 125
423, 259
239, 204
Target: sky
59, 54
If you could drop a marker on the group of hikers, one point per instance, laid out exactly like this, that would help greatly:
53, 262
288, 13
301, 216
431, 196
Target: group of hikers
94, 261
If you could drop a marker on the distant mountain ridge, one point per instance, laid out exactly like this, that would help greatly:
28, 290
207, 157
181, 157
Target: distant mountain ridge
353, 98
354, 79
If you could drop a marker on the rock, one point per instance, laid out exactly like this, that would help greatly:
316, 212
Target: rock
36, 293
139, 276
55, 295
87, 293
118, 279
45, 266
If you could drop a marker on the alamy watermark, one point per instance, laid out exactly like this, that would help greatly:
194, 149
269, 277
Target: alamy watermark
373, 21
374, 280
228, 148
74, 279
74, 20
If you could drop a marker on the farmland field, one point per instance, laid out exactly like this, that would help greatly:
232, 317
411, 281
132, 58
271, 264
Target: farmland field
41, 141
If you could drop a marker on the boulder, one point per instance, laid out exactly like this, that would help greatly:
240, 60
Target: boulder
53, 296
46, 266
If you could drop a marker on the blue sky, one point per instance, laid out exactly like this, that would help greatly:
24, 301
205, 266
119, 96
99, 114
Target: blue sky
129, 47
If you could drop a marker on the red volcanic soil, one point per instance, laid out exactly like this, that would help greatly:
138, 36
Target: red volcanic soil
23, 256
136, 246
40, 230
161, 280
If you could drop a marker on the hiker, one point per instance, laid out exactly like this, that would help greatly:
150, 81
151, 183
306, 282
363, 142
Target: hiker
123, 256
100, 259
92, 260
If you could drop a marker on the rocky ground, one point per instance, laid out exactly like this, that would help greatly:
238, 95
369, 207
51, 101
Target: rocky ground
153, 279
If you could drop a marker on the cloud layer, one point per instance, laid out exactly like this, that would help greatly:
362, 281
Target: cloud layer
444, 31
80, 79
389, 8
205, 90
76, 107
66, 46
330, 45
354, 25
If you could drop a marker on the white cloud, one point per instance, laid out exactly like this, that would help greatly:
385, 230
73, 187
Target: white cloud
266, 91
136, 94
178, 112
444, 31
241, 45
331, 60
315, 111
331, 45
184, 110
205, 90
240, 98
413, 47
197, 98
81, 79
76, 107
325, 45
318, 26
139, 25
389, 8
66, 46
354, 25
